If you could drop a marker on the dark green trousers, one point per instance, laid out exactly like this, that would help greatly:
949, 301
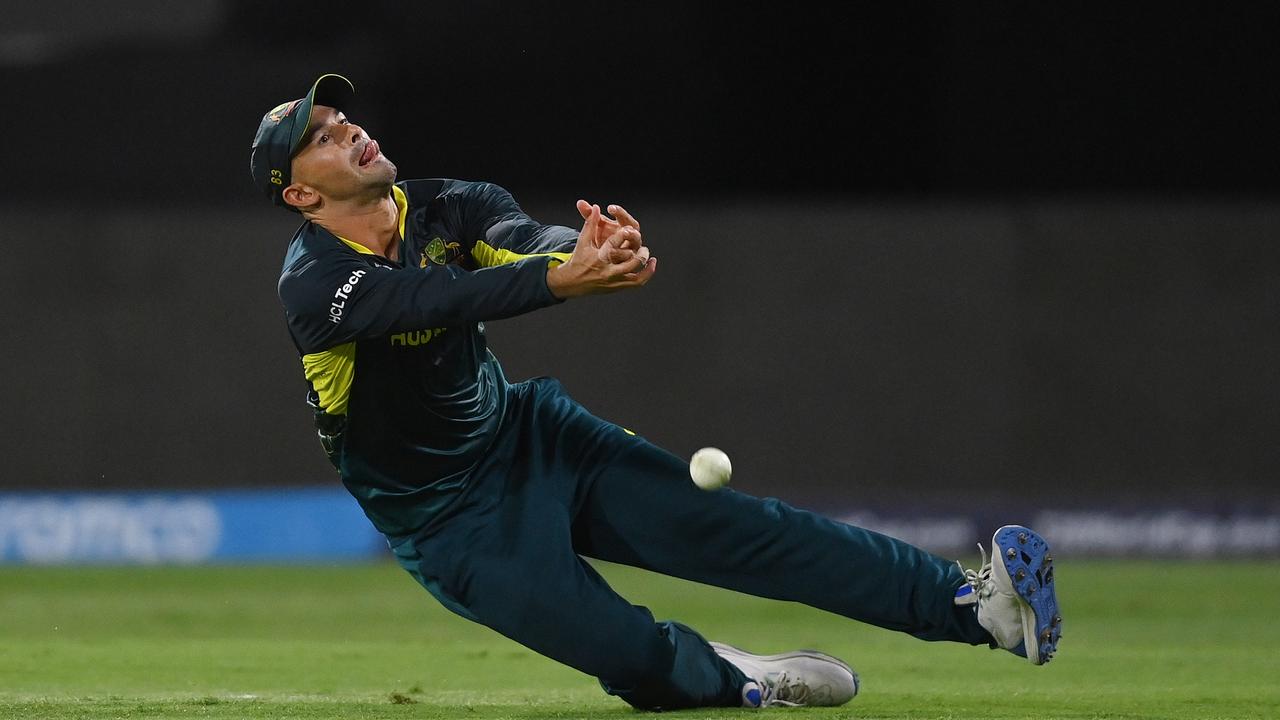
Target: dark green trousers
562, 484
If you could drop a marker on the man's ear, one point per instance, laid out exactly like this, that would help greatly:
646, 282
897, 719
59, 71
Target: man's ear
303, 197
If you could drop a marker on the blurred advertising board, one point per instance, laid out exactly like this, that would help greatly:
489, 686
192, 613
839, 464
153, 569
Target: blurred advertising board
251, 526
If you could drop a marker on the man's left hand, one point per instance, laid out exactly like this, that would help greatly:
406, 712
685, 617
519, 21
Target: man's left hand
607, 226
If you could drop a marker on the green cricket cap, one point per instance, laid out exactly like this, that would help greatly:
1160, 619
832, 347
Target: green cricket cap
282, 130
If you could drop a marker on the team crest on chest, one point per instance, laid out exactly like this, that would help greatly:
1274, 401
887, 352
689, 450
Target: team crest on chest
440, 252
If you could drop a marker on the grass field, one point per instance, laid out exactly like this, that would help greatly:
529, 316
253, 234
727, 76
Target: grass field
1141, 640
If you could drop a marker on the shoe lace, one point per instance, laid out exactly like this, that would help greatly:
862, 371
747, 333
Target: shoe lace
979, 580
782, 689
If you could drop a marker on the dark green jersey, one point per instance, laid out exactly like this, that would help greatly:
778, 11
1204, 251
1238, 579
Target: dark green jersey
394, 353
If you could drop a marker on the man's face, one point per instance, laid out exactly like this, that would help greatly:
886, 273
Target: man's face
339, 160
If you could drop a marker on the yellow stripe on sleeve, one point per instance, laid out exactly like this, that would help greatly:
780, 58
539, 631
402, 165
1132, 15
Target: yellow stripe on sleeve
488, 256
330, 373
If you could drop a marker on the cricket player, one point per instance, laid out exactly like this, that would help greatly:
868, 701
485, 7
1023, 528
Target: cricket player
491, 493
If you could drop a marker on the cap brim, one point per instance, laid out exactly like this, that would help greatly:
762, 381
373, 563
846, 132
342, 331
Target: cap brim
332, 90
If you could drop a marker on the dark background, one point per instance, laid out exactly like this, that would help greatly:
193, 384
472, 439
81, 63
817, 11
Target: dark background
910, 256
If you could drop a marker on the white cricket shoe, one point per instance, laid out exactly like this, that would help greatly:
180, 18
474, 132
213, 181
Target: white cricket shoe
1015, 594
802, 677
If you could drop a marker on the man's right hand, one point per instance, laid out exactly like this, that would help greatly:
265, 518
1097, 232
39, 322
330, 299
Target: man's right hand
620, 262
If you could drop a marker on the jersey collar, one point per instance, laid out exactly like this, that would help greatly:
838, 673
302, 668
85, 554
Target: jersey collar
402, 209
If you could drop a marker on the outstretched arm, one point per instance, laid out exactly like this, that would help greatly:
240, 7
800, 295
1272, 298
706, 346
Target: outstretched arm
328, 304
493, 217
503, 233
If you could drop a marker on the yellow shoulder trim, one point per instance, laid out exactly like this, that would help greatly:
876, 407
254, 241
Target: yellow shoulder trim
356, 246
402, 207
330, 373
488, 256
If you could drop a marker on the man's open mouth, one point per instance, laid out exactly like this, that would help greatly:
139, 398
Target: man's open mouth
370, 152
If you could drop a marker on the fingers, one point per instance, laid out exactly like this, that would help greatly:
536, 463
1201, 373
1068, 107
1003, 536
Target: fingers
623, 262
619, 213
590, 225
620, 259
631, 238
642, 258
627, 222
645, 274
625, 237
604, 225
608, 225
624, 217
617, 256
638, 269
629, 260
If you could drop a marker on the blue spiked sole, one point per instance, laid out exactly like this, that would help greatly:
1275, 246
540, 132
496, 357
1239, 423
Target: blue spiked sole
1027, 561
